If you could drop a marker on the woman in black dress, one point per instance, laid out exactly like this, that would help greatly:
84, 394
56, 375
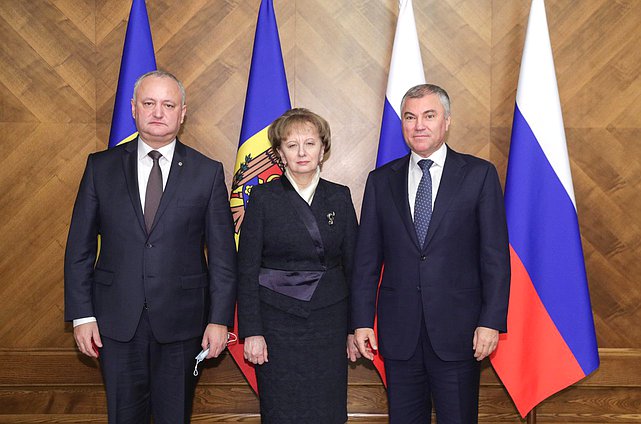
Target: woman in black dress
295, 260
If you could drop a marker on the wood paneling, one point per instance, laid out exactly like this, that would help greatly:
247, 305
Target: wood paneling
60, 62
60, 381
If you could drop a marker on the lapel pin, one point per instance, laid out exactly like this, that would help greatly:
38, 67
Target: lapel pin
330, 217
180, 164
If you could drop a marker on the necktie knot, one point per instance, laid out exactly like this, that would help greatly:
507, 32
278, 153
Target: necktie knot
425, 164
155, 155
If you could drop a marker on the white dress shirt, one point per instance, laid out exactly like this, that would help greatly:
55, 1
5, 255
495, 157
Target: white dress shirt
306, 193
145, 162
415, 173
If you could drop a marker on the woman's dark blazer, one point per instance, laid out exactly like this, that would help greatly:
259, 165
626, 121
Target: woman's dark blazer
274, 236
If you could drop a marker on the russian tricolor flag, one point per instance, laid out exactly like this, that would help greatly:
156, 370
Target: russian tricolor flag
551, 342
406, 71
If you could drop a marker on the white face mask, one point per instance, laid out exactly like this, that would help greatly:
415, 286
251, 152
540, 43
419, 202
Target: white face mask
231, 339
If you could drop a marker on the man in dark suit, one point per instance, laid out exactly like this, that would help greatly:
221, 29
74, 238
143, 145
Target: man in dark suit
163, 284
435, 220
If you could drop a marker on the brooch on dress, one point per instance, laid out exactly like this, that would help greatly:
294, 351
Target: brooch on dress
330, 217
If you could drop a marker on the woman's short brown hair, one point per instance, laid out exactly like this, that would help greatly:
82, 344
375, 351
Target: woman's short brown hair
280, 128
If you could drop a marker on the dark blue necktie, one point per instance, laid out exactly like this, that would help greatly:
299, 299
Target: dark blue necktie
423, 202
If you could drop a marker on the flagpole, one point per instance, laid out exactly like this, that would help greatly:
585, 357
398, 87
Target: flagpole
531, 416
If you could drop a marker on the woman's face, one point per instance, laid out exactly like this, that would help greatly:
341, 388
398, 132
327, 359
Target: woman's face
301, 150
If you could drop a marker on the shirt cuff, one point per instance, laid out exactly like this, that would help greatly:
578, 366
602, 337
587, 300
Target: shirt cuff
79, 321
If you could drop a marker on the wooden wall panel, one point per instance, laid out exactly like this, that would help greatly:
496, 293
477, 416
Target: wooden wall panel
60, 61
47, 119
59, 381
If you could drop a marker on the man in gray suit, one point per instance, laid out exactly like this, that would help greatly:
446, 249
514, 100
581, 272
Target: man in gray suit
161, 282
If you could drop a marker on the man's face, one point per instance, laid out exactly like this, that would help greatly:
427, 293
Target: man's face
157, 110
424, 124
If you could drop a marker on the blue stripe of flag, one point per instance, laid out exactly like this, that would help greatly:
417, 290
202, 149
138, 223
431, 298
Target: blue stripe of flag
391, 145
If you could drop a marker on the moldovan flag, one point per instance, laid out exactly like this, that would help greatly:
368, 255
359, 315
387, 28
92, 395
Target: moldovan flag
551, 342
406, 71
267, 98
137, 59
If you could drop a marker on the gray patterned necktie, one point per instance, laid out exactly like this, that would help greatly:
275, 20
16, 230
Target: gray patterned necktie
154, 190
423, 202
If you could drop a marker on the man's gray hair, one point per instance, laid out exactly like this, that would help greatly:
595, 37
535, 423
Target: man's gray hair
161, 74
422, 90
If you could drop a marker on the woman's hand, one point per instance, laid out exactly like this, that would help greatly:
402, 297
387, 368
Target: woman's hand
256, 350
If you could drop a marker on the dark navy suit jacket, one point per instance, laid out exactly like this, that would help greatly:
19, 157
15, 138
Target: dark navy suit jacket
184, 285
274, 236
457, 280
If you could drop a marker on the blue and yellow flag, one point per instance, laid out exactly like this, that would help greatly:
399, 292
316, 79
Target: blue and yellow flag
267, 98
137, 59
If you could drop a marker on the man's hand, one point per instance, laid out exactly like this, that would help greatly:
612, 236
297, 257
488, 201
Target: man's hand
256, 350
352, 350
485, 342
214, 338
88, 338
366, 342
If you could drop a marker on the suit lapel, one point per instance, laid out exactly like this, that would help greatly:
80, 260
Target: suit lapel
306, 215
320, 199
130, 167
322, 206
453, 173
173, 182
398, 186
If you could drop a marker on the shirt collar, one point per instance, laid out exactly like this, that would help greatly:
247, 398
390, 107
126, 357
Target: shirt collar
167, 151
306, 193
438, 157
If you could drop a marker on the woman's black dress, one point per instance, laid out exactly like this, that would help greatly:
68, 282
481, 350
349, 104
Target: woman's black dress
305, 380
